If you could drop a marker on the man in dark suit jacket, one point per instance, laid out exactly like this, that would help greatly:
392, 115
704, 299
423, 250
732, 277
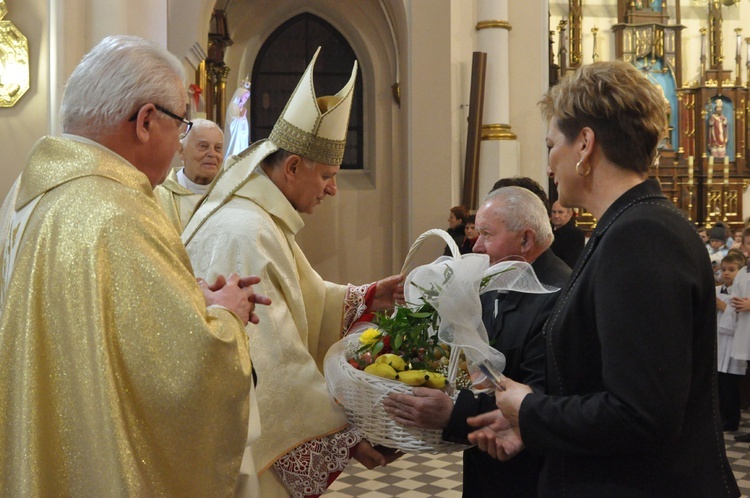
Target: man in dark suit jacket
569, 239
512, 224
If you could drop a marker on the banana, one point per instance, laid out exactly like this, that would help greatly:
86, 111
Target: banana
435, 380
381, 370
393, 360
413, 377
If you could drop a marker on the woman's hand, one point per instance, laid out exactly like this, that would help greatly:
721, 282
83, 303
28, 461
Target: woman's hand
510, 398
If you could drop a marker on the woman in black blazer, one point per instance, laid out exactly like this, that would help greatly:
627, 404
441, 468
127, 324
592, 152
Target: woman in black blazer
630, 408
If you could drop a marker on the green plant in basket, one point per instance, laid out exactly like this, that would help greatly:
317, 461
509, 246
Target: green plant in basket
405, 347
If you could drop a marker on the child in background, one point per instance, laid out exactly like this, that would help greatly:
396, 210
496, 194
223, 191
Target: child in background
717, 249
744, 245
730, 369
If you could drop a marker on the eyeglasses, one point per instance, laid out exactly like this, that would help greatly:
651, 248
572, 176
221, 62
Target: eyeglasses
187, 124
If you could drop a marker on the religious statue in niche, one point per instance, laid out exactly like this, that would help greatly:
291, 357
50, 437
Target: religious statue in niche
236, 125
718, 131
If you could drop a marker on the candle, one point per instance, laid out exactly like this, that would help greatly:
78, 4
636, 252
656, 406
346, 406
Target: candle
709, 180
726, 170
739, 41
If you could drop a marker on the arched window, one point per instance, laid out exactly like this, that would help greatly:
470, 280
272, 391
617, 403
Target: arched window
279, 66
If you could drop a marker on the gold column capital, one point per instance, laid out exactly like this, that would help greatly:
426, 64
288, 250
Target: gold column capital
497, 132
494, 24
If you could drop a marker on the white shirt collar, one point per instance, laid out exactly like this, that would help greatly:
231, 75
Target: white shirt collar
195, 188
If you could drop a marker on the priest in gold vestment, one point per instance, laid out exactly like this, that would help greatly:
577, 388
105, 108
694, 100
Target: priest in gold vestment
247, 223
117, 380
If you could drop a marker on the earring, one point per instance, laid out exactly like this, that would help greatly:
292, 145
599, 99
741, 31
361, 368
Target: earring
578, 165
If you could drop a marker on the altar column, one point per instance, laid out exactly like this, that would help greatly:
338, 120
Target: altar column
499, 153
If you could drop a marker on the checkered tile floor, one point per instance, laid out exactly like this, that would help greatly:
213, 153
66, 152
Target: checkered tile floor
739, 455
427, 476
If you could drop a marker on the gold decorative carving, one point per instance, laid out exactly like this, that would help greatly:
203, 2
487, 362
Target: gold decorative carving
494, 24
732, 203
575, 19
14, 62
497, 132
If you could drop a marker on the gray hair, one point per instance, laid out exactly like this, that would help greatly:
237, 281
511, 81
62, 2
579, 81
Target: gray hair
119, 75
522, 210
199, 124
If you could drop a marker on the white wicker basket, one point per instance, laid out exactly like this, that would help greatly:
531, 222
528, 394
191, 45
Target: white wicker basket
361, 394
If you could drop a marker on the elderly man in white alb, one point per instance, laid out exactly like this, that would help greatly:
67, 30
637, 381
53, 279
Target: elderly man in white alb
202, 154
247, 223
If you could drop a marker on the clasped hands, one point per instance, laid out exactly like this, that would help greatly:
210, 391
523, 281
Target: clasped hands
235, 294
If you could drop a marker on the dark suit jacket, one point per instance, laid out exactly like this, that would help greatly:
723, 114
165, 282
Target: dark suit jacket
517, 333
569, 242
631, 363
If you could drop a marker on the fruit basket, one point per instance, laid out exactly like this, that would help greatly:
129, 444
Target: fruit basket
437, 339
362, 394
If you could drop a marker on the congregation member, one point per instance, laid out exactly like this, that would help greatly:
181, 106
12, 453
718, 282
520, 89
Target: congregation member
730, 369
513, 224
456, 225
740, 344
703, 234
630, 407
247, 223
117, 379
717, 250
569, 239
470, 235
527, 183
202, 154
744, 245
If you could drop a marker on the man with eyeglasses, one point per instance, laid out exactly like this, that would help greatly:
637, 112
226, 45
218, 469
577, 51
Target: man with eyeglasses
117, 378
202, 154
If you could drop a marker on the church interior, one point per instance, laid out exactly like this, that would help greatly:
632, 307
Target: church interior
410, 133
422, 136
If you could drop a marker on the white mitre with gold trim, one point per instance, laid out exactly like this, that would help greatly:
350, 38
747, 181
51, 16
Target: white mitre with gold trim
310, 126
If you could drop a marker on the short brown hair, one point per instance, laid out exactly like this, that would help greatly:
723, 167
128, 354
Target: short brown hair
627, 112
734, 256
461, 213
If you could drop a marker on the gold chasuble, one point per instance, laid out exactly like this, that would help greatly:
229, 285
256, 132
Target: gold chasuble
253, 233
177, 202
116, 380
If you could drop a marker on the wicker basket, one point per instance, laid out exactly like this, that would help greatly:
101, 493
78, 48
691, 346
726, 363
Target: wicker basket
361, 394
